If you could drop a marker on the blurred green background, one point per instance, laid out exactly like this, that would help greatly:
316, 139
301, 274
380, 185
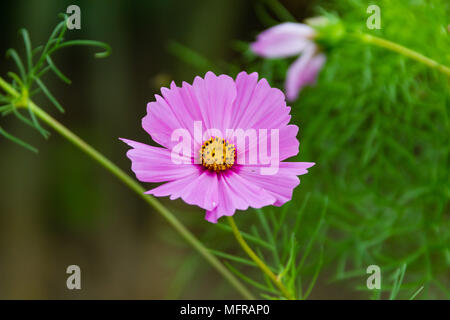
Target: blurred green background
382, 162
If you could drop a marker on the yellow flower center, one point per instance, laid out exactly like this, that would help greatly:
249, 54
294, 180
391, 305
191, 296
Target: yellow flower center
217, 154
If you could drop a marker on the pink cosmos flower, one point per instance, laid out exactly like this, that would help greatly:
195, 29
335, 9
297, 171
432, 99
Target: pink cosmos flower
228, 182
291, 39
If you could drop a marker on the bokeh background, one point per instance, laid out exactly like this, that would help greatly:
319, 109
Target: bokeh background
382, 159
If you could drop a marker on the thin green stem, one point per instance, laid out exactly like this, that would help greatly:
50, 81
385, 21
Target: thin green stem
8, 89
264, 268
136, 187
386, 44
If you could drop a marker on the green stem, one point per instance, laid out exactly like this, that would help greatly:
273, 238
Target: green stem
264, 268
383, 43
136, 187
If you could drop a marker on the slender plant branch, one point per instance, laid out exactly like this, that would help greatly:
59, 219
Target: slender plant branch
129, 182
264, 268
386, 44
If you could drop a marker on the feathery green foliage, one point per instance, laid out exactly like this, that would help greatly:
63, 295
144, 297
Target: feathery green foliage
28, 81
292, 252
376, 124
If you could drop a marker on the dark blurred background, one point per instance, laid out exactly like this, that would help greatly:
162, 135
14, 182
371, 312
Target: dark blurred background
58, 207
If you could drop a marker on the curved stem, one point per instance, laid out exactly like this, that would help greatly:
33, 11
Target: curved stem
264, 268
380, 42
136, 187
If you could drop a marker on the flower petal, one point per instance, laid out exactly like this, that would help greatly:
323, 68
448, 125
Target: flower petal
208, 101
237, 193
303, 71
279, 185
214, 98
199, 188
283, 40
258, 106
154, 164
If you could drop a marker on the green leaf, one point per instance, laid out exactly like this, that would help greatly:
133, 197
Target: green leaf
57, 71
15, 77
399, 274
282, 13
17, 140
316, 274
49, 95
13, 54
247, 236
191, 57
38, 127
233, 258
416, 293
300, 213
51, 40
32, 123
263, 16
249, 280
312, 238
90, 43
28, 50
6, 107
269, 235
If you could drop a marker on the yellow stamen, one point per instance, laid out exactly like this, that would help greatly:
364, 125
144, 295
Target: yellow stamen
217, 154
